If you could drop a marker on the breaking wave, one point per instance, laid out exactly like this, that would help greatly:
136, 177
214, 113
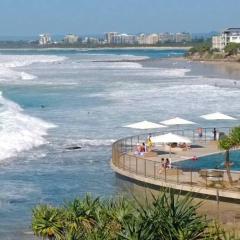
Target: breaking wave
8, 63
18, 131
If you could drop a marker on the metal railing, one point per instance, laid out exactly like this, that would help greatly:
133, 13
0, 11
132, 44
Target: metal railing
123, 157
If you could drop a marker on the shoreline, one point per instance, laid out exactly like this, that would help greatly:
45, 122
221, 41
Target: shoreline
231, 65
101, 48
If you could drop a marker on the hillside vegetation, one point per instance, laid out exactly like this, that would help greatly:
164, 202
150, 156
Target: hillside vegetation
206, 53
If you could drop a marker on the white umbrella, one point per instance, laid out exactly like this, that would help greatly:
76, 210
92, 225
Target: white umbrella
177, 121
170, 138
217, 116
144, 125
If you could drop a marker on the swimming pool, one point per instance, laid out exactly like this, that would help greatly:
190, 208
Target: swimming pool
215, 161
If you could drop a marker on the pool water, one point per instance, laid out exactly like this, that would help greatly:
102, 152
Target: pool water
215, 161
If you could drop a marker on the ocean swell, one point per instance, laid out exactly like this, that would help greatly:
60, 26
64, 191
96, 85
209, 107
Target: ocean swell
18, 131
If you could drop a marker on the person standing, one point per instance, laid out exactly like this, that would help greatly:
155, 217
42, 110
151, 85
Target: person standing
149, 143
214, 134
200, 132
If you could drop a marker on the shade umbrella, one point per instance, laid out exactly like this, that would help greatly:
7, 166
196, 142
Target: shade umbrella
217, 116
170, 138
177, 121
145, 125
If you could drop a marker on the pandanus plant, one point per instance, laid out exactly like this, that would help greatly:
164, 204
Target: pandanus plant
48, 222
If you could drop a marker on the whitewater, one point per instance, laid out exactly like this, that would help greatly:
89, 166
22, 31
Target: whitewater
19, 131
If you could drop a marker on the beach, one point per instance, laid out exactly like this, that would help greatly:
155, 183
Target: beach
54, 101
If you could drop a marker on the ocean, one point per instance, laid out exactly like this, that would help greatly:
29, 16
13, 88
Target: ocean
53, 100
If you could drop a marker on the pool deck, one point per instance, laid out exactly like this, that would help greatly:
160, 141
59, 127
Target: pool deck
147, 169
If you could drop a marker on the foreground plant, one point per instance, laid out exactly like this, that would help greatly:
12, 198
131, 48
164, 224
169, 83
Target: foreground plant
167, 217
48, 222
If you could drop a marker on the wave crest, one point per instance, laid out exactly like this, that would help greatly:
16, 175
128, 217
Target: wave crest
18, 131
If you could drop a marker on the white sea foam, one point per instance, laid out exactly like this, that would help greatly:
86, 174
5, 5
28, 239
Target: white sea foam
161, 72
9, 62
85, 65
18, 131
114, 57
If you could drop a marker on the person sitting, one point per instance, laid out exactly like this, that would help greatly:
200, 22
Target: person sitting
162, 162
168, 163
162, 165
137, 149
182, 145
143, 147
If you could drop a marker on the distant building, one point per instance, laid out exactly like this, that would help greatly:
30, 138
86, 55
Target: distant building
183, 37
141, 39
44, 39
70, 39
151, 39
109, 37
218, 43
123, 39
90, 40
166, 37
229, 35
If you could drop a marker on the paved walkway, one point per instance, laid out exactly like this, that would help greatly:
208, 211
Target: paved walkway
148, 168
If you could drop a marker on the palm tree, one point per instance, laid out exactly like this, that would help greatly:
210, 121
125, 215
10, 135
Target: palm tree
47, 222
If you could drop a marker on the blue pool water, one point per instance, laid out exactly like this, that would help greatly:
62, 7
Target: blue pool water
215, 161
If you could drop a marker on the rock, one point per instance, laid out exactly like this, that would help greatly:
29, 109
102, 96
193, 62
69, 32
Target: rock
73, 147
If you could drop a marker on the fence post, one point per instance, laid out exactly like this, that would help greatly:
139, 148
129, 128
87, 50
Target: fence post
177, 175
191, 177
131, 145
165, 174
154, 170
129, 160
136, 165
205, 135
145, 168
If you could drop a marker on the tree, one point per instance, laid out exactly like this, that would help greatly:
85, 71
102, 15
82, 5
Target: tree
232, 48
227, 143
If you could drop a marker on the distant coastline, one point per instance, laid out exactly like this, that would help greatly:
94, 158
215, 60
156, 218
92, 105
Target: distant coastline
98, 48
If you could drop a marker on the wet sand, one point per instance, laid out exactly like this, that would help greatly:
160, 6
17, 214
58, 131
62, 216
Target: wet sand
224, 69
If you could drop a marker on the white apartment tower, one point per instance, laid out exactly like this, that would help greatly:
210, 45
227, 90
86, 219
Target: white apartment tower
229, 35
44, 39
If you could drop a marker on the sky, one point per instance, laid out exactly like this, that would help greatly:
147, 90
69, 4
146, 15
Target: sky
31, 17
